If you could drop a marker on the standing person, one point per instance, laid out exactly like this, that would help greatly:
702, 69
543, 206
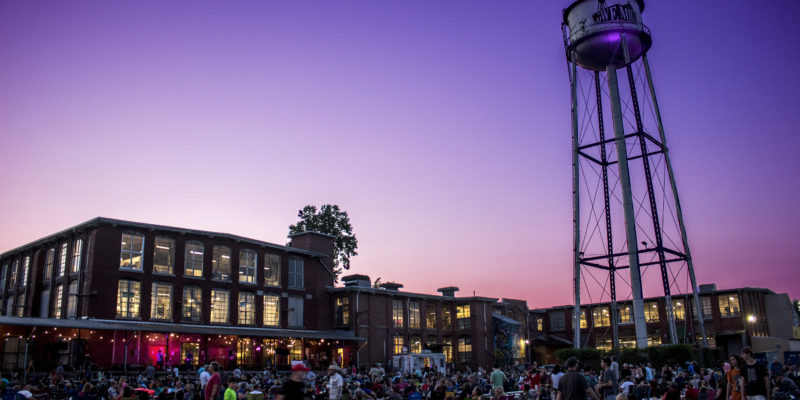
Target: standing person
160, 359
573, 385
609, 386
204, 376
734, 391
775, 367
212, 389
498, 377
555, 377
336, 382
230, 392
294, 387
755, 379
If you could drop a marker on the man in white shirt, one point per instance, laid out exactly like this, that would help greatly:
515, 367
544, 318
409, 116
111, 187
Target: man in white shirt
204, 376
336, 382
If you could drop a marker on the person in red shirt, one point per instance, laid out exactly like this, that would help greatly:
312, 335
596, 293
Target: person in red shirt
691, 392
214, 384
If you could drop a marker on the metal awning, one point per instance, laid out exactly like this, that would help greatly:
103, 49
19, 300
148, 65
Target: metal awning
126, 325
505, 319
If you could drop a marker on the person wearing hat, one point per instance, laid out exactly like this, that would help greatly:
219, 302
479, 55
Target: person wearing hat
336, 382
294, 386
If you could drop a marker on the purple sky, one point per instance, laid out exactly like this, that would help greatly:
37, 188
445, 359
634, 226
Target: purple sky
442, 127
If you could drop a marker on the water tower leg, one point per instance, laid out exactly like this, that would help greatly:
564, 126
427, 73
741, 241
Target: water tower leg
627, 203
576, 271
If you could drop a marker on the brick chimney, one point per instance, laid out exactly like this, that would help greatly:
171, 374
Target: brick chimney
316, 242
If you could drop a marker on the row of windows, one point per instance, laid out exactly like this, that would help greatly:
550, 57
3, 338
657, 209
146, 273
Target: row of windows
194, 251
601, 317
463, 347
161, 295
20, 272
398, 321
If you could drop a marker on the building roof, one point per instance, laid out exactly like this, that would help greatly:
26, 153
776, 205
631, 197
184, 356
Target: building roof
407, 294
505, 319
126, 325
95, 222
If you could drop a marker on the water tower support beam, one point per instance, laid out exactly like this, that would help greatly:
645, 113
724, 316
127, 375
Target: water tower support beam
576, 267
627, 205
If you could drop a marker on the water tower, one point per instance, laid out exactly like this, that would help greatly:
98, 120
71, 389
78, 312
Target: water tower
629, 230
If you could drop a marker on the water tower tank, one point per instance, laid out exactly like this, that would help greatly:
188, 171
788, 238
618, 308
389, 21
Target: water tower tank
598, 28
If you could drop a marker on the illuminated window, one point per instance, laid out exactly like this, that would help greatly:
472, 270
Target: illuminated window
604, 344
193, 259
398, 343
296, 350
601, 317
583, 323
463, 316
244, 352
625, 314
21, 305
342, 311
397, 313
192, 304
678, 310
72, 300
272, 310
654, 338
415, 344
651, 312
219, 306
248, 262
247, 308
58, 301
557, 321
26, 269
272, 270
729, 306
161, 301
48, 265
12, 283
413, 314
221, 264
627, 341
128, 298
130, 255
464, 350
163, 255
62, 261
448, 349
540, 324
77, 251
430, 316
447, 317
295, 273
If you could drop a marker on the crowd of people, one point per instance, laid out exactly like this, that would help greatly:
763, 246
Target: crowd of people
740, 378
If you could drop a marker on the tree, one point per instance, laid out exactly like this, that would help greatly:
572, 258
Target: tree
330, 220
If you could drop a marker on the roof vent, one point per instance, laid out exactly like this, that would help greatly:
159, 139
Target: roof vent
356, 281
449, 291
393, 286
708, 288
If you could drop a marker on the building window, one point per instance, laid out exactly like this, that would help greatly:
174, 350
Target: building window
21, 305
705, 305
625, 315
601, 317
247, 266
72, 300
342, 311
296, 311
447, 317
3, 278
12, 282
131, 254
219, 306
397, 314
163, 256
415, 344
59, 301
62, 261
678, 310
26, 269
557, 321
48, 264
464, 350
430, 316
10, 310
192, 304
448, 349
398, 342
77, 251
295, 273
221, 264
463, 316
161, 301
128, 298
540, 324
272, 310
604, 343
44, 304
247, 308
654, 338
729, 306
413, 314
583, 323
651, 312
296, 350
193, 259
272, 270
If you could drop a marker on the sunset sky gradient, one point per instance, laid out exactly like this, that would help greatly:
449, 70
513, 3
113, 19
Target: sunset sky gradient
442, 127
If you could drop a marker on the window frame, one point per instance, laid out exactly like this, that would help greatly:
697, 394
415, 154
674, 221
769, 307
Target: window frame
275, 307
58, 301
72, 299
247, 308
219, 309
398, 319
77, 256
414, 317
193, 260
296, 264
246, 270
430, 316
272, 261
155, 296
160, 252
49, 263
463, 316
220, 253
724, 300
133, 291
195, 306
62, 260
